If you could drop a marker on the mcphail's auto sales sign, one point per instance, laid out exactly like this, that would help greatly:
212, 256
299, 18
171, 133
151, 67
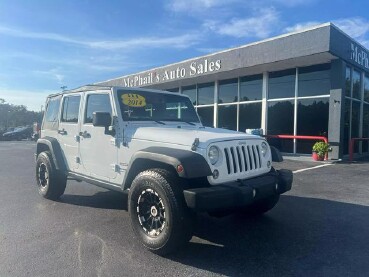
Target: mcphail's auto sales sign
359, 55
194, 69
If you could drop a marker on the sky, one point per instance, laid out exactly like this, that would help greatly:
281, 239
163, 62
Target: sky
45, 45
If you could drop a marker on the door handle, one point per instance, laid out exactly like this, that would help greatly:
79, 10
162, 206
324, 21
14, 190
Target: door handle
62, 132
85, 134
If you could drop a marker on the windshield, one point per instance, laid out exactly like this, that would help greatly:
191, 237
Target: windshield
144, 105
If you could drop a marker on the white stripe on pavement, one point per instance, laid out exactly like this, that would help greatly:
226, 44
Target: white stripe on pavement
309, 168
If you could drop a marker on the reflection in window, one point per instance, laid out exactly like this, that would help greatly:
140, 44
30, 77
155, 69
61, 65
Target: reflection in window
250, 116
228, 91
190, 91
366, 88
355, 122
366, 127
205, 93
227, 117
282, 84
70, 109
312, 120
314, 80
356, 80
206, 116
281, 121
251, 87
348, 82
97, 103
346, 125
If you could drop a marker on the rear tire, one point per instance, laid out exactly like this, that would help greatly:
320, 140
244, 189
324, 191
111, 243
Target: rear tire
51, 182
159, 215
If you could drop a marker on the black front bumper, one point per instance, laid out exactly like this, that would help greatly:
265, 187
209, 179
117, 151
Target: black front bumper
240, 193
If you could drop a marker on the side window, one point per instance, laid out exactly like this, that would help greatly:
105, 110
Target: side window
97, 103
50, 121
52, 110
70, 109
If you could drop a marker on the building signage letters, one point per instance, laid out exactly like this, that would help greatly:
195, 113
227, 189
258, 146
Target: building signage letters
194, 69
359, 55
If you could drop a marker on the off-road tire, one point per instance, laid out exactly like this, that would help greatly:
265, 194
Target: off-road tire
51, 183
260, 207
179, 220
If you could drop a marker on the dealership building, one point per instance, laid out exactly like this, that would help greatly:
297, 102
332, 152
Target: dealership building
313, 82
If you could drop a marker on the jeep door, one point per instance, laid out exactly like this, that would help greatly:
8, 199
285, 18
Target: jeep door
69, 128
97, 150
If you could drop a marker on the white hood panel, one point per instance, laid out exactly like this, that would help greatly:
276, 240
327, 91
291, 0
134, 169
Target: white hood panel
186, 135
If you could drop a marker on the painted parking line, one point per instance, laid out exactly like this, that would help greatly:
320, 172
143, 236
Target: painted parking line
310, 168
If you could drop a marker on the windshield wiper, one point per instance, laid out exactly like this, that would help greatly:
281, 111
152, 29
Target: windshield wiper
160, 122
189, 122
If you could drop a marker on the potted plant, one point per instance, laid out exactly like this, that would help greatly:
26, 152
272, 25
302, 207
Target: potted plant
320, 149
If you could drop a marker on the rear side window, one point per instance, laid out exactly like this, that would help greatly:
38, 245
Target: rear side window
70, 109
51, 114
97, 103
52, 110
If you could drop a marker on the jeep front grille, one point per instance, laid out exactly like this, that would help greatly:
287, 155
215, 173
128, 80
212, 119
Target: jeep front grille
243, 158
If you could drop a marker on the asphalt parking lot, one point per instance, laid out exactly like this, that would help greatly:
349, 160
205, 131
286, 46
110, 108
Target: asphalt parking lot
320, 228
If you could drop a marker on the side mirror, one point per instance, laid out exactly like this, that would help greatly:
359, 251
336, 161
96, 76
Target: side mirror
101, 119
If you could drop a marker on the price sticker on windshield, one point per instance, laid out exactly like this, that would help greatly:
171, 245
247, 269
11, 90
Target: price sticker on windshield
133, 100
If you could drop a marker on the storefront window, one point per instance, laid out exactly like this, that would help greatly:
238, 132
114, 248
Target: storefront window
205, 94
250, 116
366, 88
282, 84
312, 120
228, 91
227, 117
251, 87
190, 91
348, 82
314, 80
366, 127
356, 79
281, 121
346, 126
206, 116
355, 122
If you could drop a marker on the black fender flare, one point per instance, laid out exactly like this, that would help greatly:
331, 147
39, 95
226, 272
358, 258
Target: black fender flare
194, 164
53, 146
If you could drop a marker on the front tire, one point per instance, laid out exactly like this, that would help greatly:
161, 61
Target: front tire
159, 215
51, 182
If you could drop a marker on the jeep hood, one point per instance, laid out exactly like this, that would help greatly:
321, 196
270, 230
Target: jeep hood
187, 135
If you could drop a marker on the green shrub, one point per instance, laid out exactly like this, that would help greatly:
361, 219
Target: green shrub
321, 148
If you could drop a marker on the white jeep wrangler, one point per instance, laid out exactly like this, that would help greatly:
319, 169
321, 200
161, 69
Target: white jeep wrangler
152, 145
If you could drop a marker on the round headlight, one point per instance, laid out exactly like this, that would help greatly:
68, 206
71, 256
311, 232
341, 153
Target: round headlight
213, 154
264, 148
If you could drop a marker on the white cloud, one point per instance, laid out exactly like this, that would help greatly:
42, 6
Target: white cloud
356, 27
196, 5
179, 41
293, 3
30, 98
301, 26
53, 73
261, 25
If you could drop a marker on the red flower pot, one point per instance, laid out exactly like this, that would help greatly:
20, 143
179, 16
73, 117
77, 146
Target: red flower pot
316, 157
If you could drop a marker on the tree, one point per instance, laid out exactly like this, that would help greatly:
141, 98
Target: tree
16, 115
